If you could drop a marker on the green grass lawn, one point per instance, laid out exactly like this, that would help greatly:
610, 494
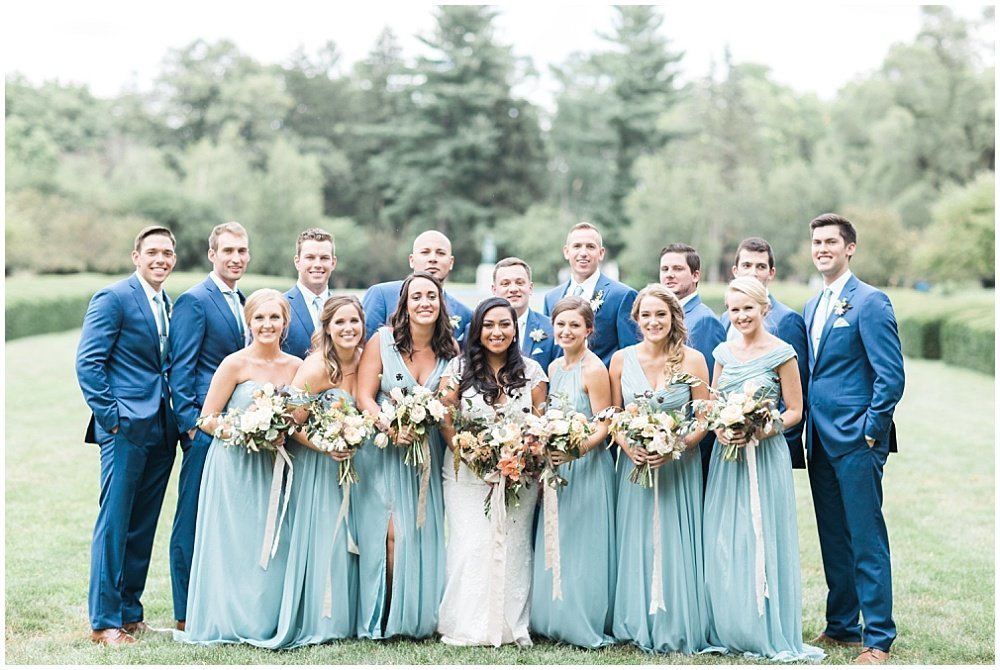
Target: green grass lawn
939, 506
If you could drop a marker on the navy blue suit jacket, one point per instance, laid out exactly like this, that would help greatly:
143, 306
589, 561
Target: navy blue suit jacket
704, 330
300, 330
856, 376
543, 351
614, 328
380, 302
119, 368
786, 324
203, 331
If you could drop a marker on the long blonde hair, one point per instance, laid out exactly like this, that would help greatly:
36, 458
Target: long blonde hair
677, 336
321, 340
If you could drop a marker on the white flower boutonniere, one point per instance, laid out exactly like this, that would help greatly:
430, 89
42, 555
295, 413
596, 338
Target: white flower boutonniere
537, 335
841, 307
597, 301
455, 321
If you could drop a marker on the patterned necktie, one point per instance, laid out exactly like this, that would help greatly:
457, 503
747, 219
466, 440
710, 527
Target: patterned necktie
819, 319
234, 303
161, 325
578, 291
317, 308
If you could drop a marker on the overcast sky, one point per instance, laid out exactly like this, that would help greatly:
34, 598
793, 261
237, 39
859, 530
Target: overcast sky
106, 44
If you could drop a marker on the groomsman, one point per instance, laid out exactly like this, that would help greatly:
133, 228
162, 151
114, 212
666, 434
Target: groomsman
121, 365
754, 258
512, 281
207, 326
611, 300
431, 254
315, 260
680, 271
857, 379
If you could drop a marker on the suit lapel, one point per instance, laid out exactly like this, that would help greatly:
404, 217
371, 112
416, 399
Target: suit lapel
147, 313
529, 325
846, 293
225, 311
691, 304
301, 309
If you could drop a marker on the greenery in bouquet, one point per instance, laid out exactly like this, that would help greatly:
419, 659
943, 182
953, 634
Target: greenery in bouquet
263, 425
657, 431
748, 410
561, 428
415, 408
339, 426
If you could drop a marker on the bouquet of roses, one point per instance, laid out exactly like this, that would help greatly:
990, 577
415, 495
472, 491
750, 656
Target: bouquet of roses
417, 408
494, 451
656, 431
748, 410
263, 425
560, 428
339, 426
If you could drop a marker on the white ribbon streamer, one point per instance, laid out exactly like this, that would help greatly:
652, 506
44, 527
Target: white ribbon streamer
425, 479
656, 585
760, 579
553, 562
271, 536
498, 575
345, 505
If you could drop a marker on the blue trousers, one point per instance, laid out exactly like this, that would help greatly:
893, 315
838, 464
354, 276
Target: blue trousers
133, 483
854, 542
182, 534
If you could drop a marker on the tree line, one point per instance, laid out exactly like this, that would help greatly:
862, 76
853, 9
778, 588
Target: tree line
381, 149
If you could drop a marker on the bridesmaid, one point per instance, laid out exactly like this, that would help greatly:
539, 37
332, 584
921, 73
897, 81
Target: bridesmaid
673, 617
401, 565
231, 597
583, 616
321, 582
753, 582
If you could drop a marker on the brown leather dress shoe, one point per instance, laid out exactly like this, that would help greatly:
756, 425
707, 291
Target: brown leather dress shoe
825, 640
136, 628
180, 624
871, 656
111, 637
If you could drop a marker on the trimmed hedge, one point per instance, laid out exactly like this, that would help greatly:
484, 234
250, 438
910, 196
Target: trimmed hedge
968, 340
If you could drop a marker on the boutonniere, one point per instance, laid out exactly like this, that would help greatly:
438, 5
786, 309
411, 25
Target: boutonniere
455, 321
537, 335
840, 307
597, 301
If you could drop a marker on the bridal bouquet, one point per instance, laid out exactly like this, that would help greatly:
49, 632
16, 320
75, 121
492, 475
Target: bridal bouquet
494, 450
417, 408
560, 428
263, 425
748, 410
339, 426
656, 431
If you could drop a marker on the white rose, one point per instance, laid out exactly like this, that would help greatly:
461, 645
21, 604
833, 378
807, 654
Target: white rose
381, 440
437, 409
418, 414
396, 393
731, 415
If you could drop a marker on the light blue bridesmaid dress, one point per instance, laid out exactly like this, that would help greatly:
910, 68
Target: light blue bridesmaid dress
320, 597
389, 489
682, 625
736, 624
231, 598
586, 539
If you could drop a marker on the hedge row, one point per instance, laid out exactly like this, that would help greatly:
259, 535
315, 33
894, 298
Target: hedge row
961, 332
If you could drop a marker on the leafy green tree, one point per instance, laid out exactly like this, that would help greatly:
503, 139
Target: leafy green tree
960, 243
466, 150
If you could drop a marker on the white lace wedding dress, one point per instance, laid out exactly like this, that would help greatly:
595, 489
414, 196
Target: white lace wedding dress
488, 565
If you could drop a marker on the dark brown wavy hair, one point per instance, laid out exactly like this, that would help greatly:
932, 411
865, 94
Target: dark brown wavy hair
442, 341
321, 340
476, 370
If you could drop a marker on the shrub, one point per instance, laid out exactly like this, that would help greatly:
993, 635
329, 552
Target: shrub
968, 340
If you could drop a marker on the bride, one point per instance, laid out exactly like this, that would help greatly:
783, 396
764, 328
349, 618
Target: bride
488, 564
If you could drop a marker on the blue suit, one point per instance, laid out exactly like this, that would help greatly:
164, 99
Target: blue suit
856, 380
705, 333
380, 302
786, 324
203, 331
614, 328
543, 351
300, 330
123, 379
